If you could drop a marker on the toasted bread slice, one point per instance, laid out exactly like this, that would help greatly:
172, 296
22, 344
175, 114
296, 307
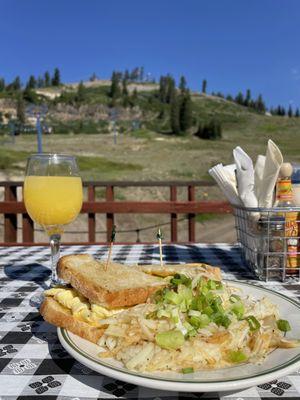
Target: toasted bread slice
188, 269
56, 314
118, 286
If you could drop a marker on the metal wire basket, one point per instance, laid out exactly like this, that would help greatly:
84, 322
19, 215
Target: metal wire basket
267, 247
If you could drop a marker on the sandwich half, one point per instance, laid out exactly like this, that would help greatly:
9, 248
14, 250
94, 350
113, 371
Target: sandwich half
95, 294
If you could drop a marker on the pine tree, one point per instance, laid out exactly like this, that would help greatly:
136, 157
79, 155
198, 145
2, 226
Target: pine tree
124, 87
175, 116
297, 113
93, 77
115, 91
162, 91
185, 113
40, 82
260, 105
182, 84
31, 84
290, 111
15, 85
229, 97
20, 109
47, 79
2, 84
210, 131
56, 78
204, 85
247, 98
81, 93
171, 89
239, 98
126, 75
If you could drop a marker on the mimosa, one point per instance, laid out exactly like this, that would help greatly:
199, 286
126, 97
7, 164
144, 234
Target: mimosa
53, 200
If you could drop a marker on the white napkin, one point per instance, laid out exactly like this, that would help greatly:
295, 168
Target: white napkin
245, 177
258, 174
225, 178
272, 166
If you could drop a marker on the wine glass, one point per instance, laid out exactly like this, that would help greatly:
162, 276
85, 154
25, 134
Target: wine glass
53, 198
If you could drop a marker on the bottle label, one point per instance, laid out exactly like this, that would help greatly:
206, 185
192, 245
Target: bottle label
284, 190
291, 225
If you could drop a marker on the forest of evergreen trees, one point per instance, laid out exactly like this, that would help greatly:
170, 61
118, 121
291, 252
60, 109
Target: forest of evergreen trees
175, 100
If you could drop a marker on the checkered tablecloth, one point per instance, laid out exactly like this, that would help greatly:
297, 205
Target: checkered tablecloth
34, 365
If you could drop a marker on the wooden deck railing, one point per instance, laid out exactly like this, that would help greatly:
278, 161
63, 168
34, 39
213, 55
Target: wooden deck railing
12, 206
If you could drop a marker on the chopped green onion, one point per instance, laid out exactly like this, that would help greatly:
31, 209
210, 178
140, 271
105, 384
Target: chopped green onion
172, 297
175, 316
190, 330
208, 311
237, 356
253, 323
234, 298
188, 370
238, 309
170, 339
221, 319
283, 325
199, 321
211, 284
194, 313
217, 305
219, 285
181, 279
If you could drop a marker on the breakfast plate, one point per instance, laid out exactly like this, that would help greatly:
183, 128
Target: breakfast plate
278, 363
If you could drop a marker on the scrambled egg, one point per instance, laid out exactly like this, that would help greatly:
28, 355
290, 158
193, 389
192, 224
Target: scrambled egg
80, 307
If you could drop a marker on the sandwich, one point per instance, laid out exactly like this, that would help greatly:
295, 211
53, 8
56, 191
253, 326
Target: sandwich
179, 318
95, 293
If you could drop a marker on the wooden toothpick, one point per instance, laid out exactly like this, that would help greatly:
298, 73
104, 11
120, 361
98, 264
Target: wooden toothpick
112, 239
159, 236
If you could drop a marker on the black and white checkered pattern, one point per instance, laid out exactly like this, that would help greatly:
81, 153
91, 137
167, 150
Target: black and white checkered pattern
33, 364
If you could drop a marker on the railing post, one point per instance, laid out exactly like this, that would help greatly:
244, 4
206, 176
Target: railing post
191, 217
91, 216
10, 220
27, 226
173, 197
109, 216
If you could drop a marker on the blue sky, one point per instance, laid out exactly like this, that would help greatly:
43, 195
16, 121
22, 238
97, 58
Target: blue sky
234, 44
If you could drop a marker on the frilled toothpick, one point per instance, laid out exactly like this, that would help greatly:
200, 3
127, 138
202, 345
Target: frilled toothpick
159, 237
112, 239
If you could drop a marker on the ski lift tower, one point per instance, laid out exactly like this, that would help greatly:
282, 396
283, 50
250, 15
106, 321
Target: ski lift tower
114, 118
39, 112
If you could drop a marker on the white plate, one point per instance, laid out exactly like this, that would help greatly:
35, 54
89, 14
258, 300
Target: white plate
279, 363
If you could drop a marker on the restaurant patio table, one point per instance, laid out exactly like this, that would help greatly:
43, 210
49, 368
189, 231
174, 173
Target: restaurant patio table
33, 364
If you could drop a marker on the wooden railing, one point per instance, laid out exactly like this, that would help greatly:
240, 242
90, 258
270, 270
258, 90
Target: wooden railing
12, 206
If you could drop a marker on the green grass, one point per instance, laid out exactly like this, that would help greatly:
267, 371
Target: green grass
15, 160
102, 164
10, 160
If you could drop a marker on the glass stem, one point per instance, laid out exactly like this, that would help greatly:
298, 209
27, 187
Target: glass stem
55, 254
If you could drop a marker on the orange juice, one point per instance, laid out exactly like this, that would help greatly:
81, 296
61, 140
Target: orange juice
53, 200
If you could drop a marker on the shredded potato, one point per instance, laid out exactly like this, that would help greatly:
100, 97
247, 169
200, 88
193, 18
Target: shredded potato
241, 329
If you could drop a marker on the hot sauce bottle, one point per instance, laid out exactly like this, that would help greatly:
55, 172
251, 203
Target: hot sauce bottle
284, 199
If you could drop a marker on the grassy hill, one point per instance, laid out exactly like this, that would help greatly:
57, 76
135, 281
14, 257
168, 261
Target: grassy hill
149, 152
